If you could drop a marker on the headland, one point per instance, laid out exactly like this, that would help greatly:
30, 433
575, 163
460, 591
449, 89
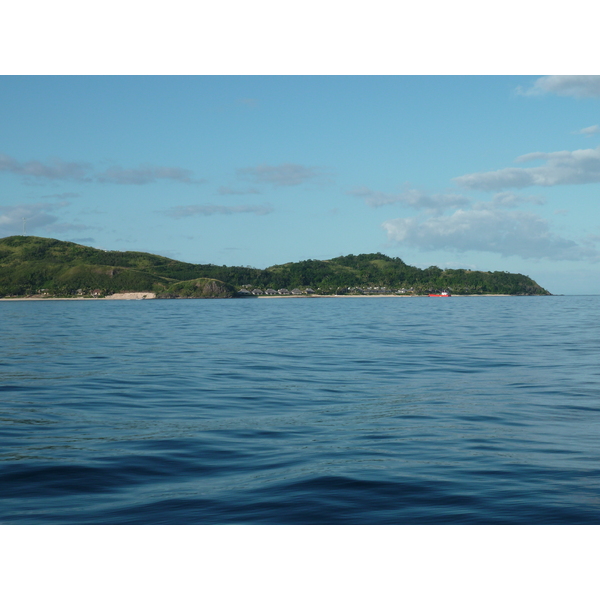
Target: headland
42, 268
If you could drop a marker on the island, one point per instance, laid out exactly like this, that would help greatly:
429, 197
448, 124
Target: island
44, 268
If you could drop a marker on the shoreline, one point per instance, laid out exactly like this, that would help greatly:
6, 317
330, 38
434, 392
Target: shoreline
118, 296
151, 296
393, 296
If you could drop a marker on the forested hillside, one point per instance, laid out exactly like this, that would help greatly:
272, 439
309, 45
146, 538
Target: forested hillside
33, 266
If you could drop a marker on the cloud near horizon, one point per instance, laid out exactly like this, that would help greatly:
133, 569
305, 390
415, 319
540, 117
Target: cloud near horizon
64, 227
412, 198
576, 86
228, 191
145, 174
506, 233
510, 200
62, 196
588, 131
207, 210
561, 168
286, 174
56, 169
37, 215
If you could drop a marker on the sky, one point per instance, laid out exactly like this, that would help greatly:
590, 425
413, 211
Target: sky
494, 173
431, 134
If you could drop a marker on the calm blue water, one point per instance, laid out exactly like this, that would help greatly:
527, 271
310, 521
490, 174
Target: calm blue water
349, 410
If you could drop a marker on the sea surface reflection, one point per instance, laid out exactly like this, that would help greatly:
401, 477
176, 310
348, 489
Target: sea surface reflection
349, 410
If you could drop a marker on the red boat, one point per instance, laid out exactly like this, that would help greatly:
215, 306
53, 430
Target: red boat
442, 295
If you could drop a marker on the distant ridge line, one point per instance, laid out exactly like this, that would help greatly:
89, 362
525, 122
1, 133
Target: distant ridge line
31, 266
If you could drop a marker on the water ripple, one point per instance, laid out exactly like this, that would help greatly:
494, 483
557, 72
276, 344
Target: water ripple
472, 410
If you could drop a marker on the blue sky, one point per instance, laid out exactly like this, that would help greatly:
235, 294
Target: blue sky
480, 172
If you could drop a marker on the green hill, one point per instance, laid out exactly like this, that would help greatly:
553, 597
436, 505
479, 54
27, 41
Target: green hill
30, 264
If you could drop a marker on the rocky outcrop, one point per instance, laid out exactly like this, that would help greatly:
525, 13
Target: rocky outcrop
199, 288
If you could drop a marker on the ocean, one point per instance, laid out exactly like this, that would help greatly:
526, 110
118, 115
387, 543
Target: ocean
461, 410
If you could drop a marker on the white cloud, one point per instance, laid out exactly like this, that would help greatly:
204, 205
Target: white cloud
488, 230
510, 200
588, 131
206, 210
591, 239
54, 169
281, 175
577, 86
561, 168
63, 227
413, 198
36, 215
62, 196
227, 191
59, 170
145, 174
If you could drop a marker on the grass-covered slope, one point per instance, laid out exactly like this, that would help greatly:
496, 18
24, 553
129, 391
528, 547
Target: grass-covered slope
372, 273
199, 288
29, 264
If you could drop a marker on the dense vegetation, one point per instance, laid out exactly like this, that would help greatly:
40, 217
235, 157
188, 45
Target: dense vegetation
32, 265
199, 288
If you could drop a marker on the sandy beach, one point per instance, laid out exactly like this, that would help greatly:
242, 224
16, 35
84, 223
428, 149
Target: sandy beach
152, 296
386, 296
121, 296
